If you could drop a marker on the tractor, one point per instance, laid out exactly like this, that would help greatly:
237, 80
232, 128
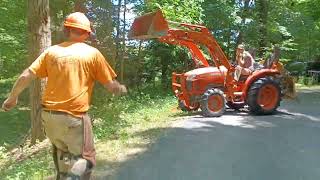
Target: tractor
213, 87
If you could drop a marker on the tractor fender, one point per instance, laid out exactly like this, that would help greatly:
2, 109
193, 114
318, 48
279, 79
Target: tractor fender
255, 76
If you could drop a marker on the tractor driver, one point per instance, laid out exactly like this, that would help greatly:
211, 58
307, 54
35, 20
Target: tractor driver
71, 68
245, 61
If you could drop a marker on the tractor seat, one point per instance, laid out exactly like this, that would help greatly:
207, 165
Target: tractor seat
243, 78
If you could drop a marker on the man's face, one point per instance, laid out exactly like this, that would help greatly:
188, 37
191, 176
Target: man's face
240, 50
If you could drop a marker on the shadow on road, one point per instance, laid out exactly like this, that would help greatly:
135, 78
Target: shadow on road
236, 146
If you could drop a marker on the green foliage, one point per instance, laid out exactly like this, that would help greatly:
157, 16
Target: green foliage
59, 9
175, 10
14, 124
309, 81
12, 37
36, 167
289, 24
113, 114
297, 68
223, 19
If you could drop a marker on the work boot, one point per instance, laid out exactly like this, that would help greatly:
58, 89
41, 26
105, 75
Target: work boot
52, 177
69, 177
87, 176
79, 167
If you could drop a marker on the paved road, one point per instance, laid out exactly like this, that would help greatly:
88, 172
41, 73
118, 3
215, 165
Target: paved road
237, 146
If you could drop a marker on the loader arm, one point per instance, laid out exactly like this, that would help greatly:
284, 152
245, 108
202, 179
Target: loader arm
196, 53
196, 34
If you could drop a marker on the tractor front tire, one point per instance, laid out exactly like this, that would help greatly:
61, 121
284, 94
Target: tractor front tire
264, 96
213, 103
185, 108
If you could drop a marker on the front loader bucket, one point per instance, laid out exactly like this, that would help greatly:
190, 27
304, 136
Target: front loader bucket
289, 87
149, 26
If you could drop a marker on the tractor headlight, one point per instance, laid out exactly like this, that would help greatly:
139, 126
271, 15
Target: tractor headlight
191, 77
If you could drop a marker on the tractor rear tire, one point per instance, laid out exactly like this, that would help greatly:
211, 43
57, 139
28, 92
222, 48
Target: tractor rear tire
213, 103
185, 108
264, 96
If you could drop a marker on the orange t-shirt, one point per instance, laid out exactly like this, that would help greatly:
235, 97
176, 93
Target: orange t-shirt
71, 69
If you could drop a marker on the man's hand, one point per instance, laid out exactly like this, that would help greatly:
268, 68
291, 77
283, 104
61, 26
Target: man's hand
121, 89
116, 88
22, 82
9, 103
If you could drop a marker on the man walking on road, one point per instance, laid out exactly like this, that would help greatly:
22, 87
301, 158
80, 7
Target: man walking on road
71, 69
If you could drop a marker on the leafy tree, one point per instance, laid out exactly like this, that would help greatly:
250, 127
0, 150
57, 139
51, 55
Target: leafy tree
12, 37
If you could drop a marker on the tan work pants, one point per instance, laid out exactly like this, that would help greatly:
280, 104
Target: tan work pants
70, 135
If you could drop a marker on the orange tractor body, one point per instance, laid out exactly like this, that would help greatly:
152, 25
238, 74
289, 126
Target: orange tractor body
211, 88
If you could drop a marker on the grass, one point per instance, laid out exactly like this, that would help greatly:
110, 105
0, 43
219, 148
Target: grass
36, 167
303, 86
132, 139
119, 126
14, 124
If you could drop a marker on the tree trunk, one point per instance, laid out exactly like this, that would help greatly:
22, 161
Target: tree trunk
39, 39
263, 20
123, 40
164, 72
79, 6
118, 30
139, 74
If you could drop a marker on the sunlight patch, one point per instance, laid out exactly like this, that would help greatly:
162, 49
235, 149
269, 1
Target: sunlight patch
292, 114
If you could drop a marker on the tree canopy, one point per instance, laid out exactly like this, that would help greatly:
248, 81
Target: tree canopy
260, 24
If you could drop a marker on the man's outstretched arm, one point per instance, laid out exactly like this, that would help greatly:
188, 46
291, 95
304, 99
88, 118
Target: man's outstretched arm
115, 87
22, 82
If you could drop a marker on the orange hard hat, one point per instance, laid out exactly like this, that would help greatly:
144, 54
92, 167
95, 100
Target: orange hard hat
78, 20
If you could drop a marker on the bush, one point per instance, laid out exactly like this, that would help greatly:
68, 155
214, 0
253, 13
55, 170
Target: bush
308, 81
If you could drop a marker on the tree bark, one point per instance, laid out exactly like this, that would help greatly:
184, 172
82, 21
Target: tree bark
118, 30
123, 40
79, 6
39, 38
164, 72
262, 7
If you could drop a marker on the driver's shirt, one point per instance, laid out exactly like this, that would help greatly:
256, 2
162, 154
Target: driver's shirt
71, 69
248, 60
